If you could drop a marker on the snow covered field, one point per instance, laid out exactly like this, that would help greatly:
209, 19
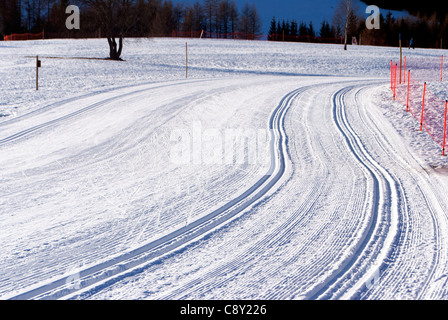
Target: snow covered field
275, 171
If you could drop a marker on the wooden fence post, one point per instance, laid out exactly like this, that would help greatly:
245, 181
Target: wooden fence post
37, 72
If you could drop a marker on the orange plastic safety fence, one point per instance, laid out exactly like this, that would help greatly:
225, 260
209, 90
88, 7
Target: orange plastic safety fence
24, 36
426, 107
427, 68
248, 36
214, 35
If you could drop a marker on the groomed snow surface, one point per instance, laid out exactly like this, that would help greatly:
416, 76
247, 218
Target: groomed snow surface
274, 171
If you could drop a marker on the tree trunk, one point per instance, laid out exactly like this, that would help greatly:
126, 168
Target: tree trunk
347, 14
114, 51
345, 39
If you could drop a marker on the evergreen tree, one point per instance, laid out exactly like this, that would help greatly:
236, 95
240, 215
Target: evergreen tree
234, 16
294, 28
303, 29
325, 30
288, 28
311, 32
284, 30
210, 13
224, 16
273, 28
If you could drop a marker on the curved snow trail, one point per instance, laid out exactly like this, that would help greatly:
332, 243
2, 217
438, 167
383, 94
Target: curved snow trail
65, 116
417, 265
345, 211
380, 230
358, 216
108, 268
366, 251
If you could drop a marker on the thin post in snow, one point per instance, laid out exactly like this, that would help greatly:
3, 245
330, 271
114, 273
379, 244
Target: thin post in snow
404, 70
407, 99
391, 76
423, 106
395, 80
186, 60
444, 128
37, 73
399, 41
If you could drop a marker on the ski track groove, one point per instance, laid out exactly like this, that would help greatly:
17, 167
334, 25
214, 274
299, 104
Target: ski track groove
108, 246
277, 115
370, 244
240, 261
436, 256
308, 203
69, 116
407, 222
401, 245
43, 291
385, 234
329, 256
281, 234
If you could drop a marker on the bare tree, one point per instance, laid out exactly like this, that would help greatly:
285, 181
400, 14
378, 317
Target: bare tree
224, 16
341, 17
115, 18
38, 6
187, 26
199, 19
165, 20
255, 19
49, 4
178, 15
234, 15
210, 9
10, 16
250, 21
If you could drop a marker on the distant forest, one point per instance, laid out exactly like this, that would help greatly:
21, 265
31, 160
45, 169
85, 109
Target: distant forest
149, 17
152, 18
286, 30
427, 31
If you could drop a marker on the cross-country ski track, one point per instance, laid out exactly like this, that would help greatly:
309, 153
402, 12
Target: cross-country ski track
344, 210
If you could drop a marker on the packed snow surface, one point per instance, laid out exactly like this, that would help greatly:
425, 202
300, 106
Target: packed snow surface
267, 170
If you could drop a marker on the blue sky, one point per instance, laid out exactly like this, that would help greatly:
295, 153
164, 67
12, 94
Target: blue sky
300, 10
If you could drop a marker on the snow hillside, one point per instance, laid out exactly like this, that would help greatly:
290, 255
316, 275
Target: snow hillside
155, 60
274, 171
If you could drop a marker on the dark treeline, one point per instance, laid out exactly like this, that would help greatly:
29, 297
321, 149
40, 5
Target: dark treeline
426, 31
150, 17
162, 17
286, 30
